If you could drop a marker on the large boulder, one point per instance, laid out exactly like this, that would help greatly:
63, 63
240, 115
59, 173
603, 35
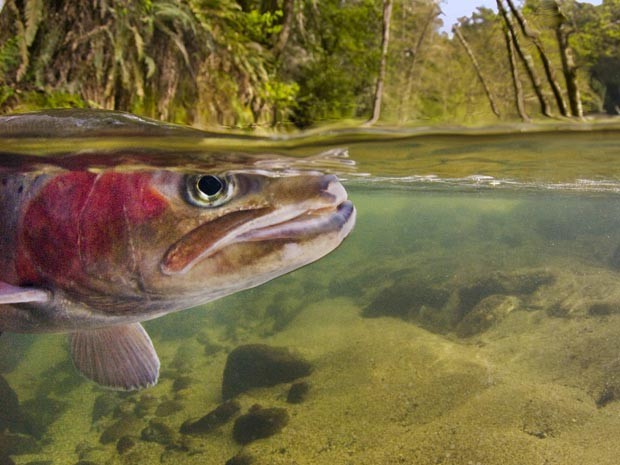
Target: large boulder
259, 365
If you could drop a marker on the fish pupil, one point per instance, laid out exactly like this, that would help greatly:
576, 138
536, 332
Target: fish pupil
210, 185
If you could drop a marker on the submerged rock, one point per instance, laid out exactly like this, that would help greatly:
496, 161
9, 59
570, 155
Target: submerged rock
603, 308
181, 382
86, 451
124, 444
260, 365
212, 420
158, 432
10, 415
168, 407
607, 395
126, 426
487, 313
146, 405
104, 405
242, 458
13, 348
518, 283
405, 299
607, 389
259, 423
298, 392
18, 444
40, 413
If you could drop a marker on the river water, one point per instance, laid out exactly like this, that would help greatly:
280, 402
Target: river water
472, 317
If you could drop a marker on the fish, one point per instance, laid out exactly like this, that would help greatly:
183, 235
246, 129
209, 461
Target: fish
93, 246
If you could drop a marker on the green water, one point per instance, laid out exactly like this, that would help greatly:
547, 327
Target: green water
472, 317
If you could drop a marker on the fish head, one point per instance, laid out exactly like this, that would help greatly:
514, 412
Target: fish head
232, 231
162, 240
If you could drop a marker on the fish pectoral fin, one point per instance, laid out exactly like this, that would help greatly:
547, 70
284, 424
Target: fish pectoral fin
117, 357
10, 294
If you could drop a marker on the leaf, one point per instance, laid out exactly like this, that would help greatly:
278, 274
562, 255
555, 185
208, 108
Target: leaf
150, 66
137, 37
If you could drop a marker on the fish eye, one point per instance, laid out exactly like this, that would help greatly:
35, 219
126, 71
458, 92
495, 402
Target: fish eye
208, 190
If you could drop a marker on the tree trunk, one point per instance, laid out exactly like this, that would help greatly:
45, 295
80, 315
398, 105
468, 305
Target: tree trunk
288, 11
414, 54
568, 62
549, 71
518, 89
526, 59
376, 109
474, 61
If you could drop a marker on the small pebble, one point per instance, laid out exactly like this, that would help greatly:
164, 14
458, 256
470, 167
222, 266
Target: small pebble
158, 432
181, 382
168, 407
215, 418
124, 426
298, 392
124, 444
259, 423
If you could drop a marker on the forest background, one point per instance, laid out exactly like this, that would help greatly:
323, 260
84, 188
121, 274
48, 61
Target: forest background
288, 64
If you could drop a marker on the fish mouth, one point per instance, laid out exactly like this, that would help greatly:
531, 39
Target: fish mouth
311, 223
306, 221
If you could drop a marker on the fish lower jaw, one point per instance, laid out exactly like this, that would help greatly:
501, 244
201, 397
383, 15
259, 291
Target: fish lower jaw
311, 223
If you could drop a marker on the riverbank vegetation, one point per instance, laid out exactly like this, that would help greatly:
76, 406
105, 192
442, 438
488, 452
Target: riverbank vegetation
302, 63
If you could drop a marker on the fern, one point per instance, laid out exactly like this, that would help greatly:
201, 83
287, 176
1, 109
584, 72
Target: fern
33, 10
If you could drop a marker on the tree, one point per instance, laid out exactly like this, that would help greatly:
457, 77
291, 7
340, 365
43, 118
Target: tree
412, 55
525, 59
518, 88
562, 31
472, 57
549, 71
334, 60
250, 63
385, 38
288, 11
596, 42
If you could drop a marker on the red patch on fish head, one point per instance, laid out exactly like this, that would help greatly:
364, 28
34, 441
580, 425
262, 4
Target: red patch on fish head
79, 225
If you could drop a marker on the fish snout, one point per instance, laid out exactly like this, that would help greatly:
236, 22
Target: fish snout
332, 189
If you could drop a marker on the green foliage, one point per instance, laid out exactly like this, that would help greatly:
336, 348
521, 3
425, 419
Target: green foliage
325, 94
337, 82
260, 27
35, 100
9, 56
217, 62
597, 44
6, 92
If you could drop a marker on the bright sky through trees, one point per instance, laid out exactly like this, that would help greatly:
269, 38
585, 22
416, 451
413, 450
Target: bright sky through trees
454, 9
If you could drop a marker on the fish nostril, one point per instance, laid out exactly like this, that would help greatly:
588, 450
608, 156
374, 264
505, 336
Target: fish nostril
325, 180
333, 189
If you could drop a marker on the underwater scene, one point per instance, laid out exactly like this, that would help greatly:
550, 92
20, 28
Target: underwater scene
472, 317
